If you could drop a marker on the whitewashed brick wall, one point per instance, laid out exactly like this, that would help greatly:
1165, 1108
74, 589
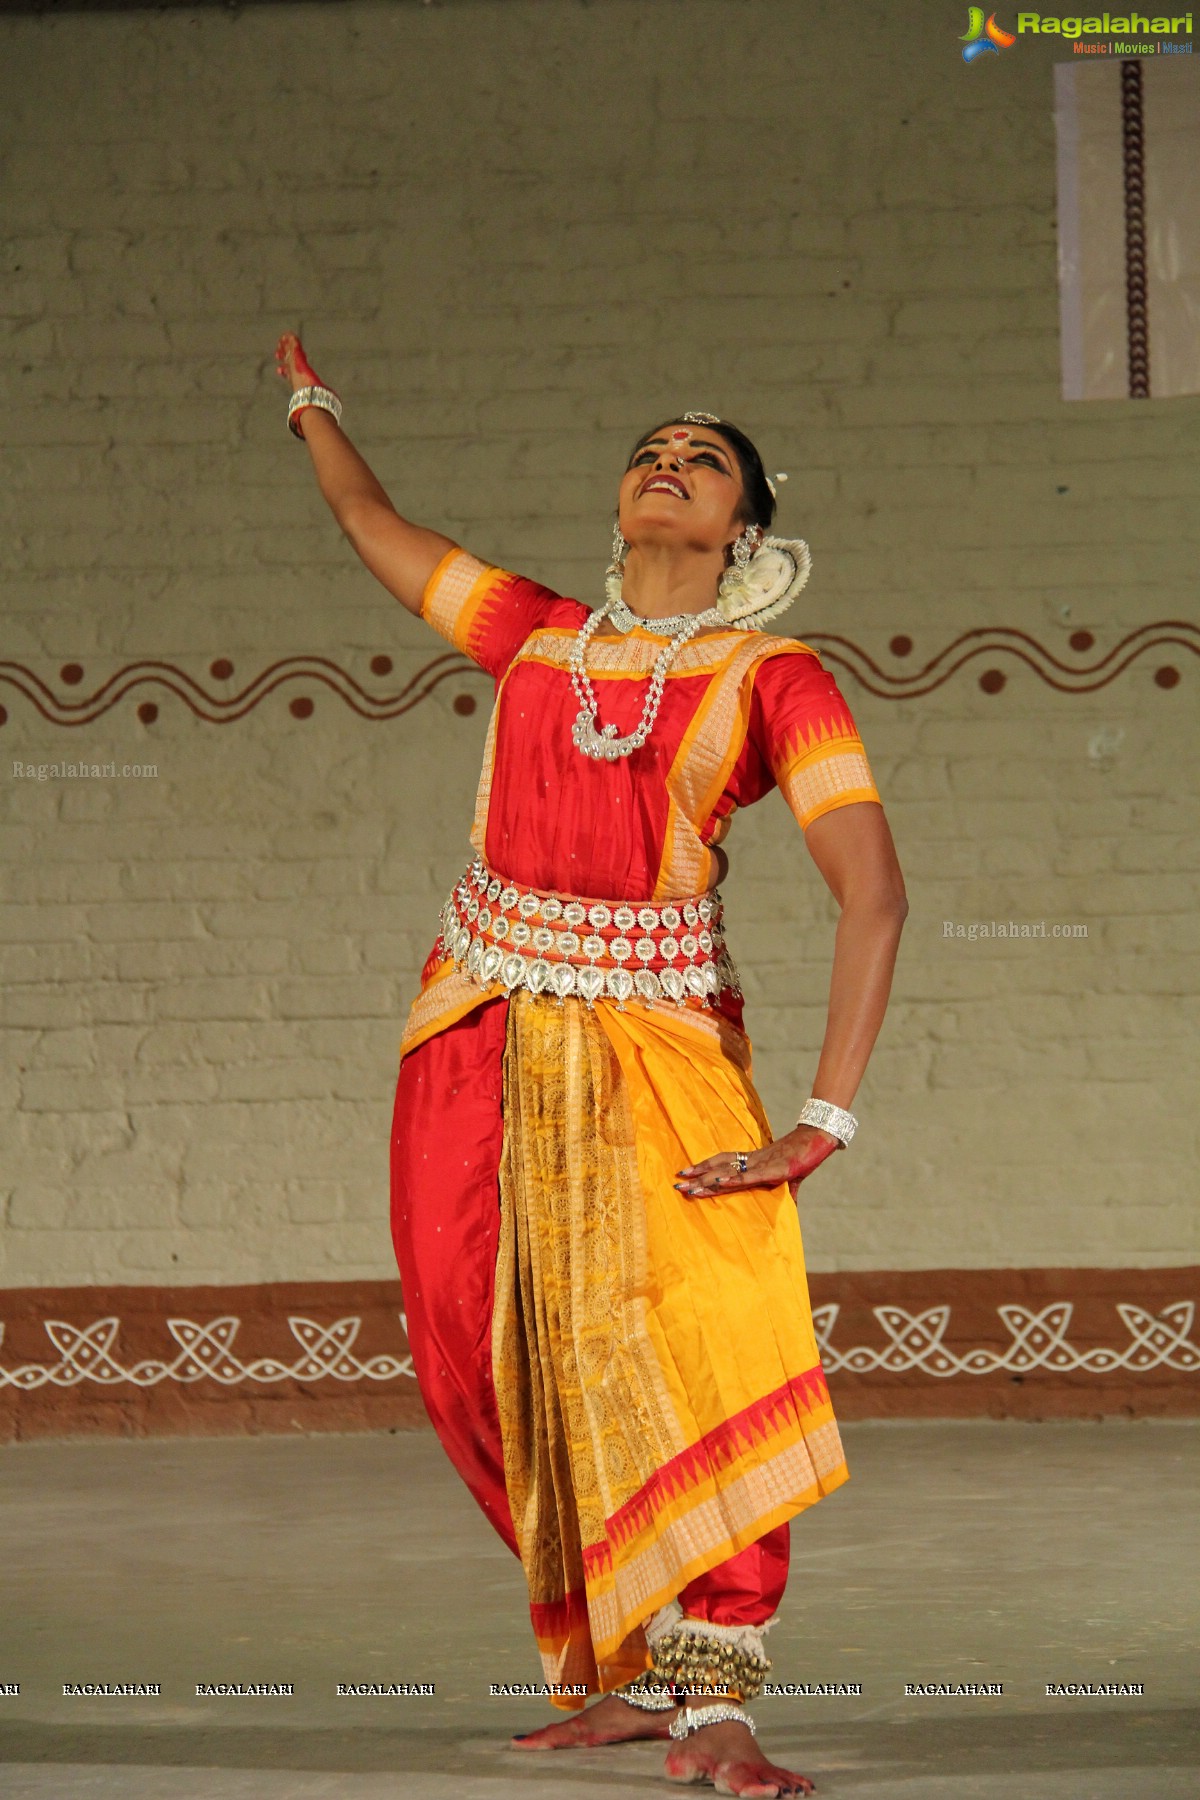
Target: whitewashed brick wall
514, 235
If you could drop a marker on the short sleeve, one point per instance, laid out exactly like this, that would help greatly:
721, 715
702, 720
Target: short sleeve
807, 735
485, 612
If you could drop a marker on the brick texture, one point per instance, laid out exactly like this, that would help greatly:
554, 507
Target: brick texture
513, 235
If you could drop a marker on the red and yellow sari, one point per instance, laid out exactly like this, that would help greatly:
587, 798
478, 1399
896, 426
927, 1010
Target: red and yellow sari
627, 1380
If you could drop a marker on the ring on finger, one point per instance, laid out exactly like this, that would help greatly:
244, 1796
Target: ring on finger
742, 1160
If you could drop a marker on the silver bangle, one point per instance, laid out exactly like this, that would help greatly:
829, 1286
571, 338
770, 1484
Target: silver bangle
313, 395
694, 1718
827, 1117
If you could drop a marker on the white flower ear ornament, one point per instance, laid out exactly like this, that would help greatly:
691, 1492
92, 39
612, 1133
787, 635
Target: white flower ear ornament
764, 577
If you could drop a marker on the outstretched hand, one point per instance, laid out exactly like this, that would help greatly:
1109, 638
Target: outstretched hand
292, 365
792, 1159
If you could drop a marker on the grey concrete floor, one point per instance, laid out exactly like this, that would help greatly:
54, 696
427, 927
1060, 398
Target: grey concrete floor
958, 1552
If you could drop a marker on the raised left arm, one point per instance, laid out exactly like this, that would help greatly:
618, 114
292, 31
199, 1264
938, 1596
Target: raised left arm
852, 846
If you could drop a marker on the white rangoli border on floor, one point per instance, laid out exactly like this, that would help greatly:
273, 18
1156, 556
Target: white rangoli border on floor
915, 1342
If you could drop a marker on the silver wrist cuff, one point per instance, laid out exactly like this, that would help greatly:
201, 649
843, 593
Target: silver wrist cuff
827, 1117
313, 395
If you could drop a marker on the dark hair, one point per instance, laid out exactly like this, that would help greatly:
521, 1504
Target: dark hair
758, 502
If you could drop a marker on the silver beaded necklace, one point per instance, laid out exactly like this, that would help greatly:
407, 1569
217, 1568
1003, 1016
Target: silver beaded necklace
601, 741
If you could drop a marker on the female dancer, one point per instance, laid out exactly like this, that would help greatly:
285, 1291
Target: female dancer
596, 1232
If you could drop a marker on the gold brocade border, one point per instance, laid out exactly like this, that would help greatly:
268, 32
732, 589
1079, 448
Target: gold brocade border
635, 654
447, 996
454, 593
710, 748
483, 792
829, 779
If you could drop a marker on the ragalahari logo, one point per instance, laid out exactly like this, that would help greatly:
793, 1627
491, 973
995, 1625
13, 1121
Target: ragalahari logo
979, 36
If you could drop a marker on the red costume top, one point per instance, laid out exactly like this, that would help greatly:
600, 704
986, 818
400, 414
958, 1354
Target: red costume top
742, 712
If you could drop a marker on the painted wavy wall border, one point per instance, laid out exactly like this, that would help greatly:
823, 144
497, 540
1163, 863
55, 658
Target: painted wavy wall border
915, 1343
222, 703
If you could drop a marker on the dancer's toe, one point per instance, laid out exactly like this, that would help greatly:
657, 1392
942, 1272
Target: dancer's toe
728, 1756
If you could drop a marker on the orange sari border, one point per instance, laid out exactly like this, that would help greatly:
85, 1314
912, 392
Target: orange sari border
613, 1619
446, 995
601, 1642
718, 1450
553, 1619
562, 1631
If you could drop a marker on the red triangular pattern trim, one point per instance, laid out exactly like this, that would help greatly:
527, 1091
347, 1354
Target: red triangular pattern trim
803, 740
715, 1451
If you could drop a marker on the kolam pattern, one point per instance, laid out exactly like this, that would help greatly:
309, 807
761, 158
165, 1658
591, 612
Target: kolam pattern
89, 1353
914, 1343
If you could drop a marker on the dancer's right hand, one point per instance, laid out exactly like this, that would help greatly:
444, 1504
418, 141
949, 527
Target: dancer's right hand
792, 1159
292, 365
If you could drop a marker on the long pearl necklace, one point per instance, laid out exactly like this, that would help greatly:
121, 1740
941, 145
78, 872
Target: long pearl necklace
603, 744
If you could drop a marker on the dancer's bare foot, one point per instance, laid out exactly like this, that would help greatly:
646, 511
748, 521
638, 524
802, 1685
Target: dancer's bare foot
609, 1721
729, 1757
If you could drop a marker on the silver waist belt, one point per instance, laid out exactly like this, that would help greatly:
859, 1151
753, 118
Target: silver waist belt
562, 944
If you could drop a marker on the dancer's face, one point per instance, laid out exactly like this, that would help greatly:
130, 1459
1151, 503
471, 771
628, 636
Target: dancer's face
683, 486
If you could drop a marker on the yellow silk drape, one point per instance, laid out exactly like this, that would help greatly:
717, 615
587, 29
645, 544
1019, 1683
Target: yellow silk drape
661, 1398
